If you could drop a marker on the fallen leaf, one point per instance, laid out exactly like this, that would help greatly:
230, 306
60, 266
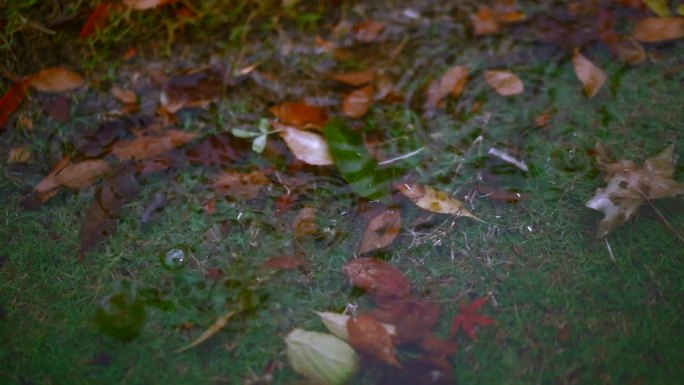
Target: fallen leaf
124, 96
56, 79
380, 231
148, 146
659, 7
438, 347
309, 147
237, 185
357, 103
217, 150
423, 371
433, 200
11, 100
96, 21
469, 319
628, 187
216, 327
413, 318
195, 89
20, 154
377, 278
452, 82
286, 263
504, 82
304, 224
71, 175
367, 31
499, 195
507, 11
337, 324
58, 107
300, 115
630, 51
320, 357
355, 79
366, 334
658, 29
143, 5
591, 76
484, 21
95, 144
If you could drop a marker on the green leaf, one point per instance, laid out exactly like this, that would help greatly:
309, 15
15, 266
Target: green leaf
355, 163
259, 143
240, 133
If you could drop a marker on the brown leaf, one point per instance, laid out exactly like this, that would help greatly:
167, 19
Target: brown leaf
657, 29
369, 336
217, 150
380, 231
630, 51
195, 89
357, 103
412, 317
629, 186
304, 224
484, 21
71, 175
56, 79
378, 278
149, 146
452, 82
143, 5
57, 107
438, 347
499, 195
124, 96
234, 184
433, 200
504, 82
591, 76
286, 263
309, 147
300, 115
355, 79
20, 154
367, 31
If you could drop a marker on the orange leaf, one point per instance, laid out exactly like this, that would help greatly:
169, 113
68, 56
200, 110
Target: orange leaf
300, 115
381, 231
146, 147
11, 101
452, 82
240, 186
484, 21
355, 78
357, 103
96, 21
504, 82
657, 29
367, 335
56, 79
378, 278
591, 76
71, 175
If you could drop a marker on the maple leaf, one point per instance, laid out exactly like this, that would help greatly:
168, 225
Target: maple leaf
469, 319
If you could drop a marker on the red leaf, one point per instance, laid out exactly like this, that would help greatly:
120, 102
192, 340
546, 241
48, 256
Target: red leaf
96, 21
369, 336
468, 319
412, 317
11, 101
377, 277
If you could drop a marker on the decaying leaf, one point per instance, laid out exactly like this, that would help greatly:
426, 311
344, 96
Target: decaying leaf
309, 147
355, 79
434, 200
591, 76
629, 50
377, 278
366, 334
337, 324
237, 185
148, 146
452, 82
216, 327
286, 263
380, 231
304, 224
484, 21
413, 318
20, 154
357, 103
320, 357
658, 29
504, 82
300, 115
56, 79
367, 31
71, 175
630, 186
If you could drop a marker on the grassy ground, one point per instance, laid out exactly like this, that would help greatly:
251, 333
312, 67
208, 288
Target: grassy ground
569, 311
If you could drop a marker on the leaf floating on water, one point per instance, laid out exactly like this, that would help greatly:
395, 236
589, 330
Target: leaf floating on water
590, 75
658, 29
629, 186
434, 200
306, 146
377, 278
320, 357
56, 79
216, 327
381, 231
368, 335
504, 82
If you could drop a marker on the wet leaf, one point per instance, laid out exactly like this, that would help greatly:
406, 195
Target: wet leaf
216, 327
591, 76
469, 319
304, 224
381, 231
658, 29
434, 200
357, 103
355, 163
96, 21
377, 278
504, 82
367, 31
484, 21
300, 115
286, 263
337, 324
628, 187
10, 101
367, 335
19, 154
355, 79
237, 185
321, 357
412, 317
452, 82
309, 147
71, 175
56, 79
148, 146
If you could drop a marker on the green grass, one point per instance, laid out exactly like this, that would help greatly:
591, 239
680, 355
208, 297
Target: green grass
570, 309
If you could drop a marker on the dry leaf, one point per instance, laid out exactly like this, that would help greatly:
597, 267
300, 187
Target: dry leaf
629, 50
504, 82
380, 231
71, 175
309, 147
300, 115
216, 327
434, 200
11, 100
304, 224
234, 184
657, 29
378, 278
149, 146
484, 21
337, 324
367, 31
630, 186
20, 154
591, 76
143, 5
124, 96
286, 263
355, 79
357, 103
413, 318
366, 334
56, 79
452, 82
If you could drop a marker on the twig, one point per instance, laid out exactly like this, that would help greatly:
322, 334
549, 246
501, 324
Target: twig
410, 154
610, 251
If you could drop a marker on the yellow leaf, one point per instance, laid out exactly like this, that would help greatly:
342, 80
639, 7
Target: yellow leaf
434, 200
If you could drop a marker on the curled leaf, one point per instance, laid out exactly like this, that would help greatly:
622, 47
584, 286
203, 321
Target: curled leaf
320, 357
